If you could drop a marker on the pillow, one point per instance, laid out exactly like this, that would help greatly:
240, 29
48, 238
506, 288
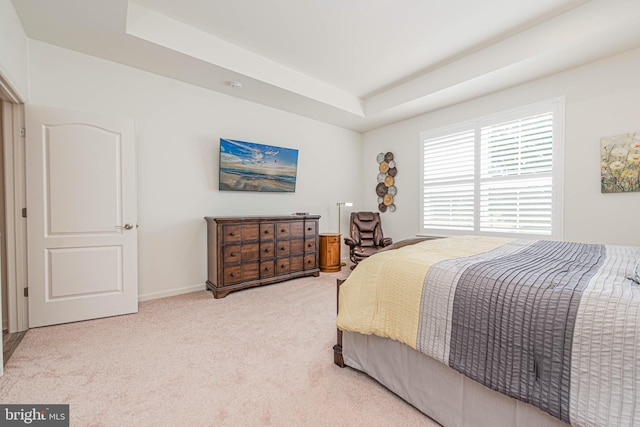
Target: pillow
635, 274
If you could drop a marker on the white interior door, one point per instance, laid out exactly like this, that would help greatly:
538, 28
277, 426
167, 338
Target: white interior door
81, 216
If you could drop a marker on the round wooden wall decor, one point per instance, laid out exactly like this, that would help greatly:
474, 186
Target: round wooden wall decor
386, 189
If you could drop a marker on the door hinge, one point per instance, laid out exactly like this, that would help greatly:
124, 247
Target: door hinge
26, 291
24, 212
23, 132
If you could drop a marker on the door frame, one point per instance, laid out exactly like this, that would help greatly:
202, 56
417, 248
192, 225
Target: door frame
15, 200
16, 225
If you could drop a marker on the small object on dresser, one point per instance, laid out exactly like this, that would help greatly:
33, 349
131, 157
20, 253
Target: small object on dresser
301, 213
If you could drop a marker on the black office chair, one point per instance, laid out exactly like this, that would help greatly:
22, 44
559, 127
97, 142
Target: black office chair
367, 237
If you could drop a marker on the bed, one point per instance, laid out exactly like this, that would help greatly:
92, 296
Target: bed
485, 331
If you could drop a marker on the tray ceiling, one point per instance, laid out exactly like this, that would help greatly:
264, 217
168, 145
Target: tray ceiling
358, 64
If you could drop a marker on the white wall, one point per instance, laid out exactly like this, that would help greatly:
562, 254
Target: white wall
602, 99
179, 127
13, 50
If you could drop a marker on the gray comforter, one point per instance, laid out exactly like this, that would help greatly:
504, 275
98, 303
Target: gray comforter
554, 324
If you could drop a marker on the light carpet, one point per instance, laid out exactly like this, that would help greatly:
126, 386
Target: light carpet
259, 357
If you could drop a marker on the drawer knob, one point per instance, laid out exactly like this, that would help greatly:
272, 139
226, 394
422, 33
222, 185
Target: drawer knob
308, 245
233, 233
266, 231
233, 254
283, 265
282, 248
309, 261
267, 269
283, 230
233, 274
309, 228
267, 250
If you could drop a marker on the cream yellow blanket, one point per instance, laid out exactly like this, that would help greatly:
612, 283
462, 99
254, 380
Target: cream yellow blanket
382, 296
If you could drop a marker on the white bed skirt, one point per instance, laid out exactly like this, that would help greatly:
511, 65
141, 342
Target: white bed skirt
444, 394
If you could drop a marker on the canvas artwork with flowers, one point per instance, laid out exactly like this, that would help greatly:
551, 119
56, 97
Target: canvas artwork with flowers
620, 163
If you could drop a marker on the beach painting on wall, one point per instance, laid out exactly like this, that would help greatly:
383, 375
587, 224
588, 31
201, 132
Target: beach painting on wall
620, 163
247, 166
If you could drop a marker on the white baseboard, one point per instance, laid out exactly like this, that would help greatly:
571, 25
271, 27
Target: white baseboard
172, 292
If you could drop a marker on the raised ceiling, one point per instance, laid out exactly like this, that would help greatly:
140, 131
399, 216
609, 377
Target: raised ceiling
358, 64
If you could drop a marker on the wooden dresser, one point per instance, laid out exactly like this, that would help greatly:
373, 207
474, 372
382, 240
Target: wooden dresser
254, 251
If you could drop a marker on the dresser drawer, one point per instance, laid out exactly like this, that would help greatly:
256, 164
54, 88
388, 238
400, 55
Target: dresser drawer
297, 229
231, 233
282, 265
283, 248
250, 271
267, 268
310, 228
283, 230
237, 233
238, 253
250, 232
296, 263
232, 274
310, 261
267, 231
250, 251
296, 246
310, 244
232, 254
267, 249
241, 273
333, 239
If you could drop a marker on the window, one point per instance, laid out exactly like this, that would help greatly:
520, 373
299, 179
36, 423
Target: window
497, 175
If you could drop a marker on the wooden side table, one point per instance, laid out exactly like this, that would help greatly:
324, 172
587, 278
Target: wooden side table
329, 252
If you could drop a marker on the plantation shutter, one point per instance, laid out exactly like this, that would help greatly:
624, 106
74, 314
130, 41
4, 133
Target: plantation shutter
498, 175
448, 183
516, 167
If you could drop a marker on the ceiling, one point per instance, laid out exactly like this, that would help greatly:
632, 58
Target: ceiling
358, 64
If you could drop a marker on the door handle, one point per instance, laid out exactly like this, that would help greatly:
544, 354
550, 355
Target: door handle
127, 226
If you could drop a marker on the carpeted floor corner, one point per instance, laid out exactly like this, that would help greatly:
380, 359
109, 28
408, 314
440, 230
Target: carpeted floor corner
259, 357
